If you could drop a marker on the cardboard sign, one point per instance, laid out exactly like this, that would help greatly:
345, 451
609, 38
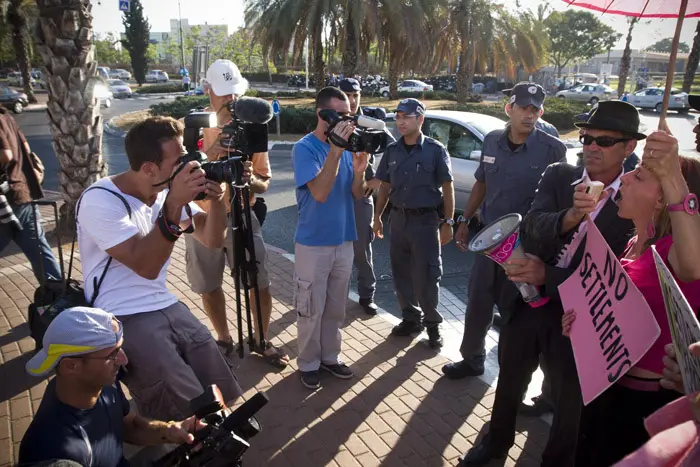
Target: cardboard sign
685, 329
614, 326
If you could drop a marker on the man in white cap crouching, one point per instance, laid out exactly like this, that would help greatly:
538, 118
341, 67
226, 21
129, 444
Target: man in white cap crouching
84, 416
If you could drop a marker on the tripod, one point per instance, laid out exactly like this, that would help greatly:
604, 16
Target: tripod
244, 269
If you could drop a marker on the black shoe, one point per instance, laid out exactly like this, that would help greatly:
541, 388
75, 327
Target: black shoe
406, 328
459, 370
369, 306
538, 408
497, 320
481, 455
434, 338
310, 379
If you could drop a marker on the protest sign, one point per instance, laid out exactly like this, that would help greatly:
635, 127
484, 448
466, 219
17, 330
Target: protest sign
614, 325
685, 329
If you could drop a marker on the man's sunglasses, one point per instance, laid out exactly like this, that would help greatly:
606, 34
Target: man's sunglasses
602, 141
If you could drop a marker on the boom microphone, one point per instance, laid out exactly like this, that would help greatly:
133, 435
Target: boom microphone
253, 110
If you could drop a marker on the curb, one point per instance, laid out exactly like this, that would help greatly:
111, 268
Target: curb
112, 130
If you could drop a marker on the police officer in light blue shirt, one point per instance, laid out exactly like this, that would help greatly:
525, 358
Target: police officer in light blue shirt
416, 177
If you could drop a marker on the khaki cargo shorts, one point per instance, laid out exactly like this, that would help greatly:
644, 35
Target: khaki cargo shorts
205, 266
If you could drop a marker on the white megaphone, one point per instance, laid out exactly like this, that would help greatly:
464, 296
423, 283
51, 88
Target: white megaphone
500, 241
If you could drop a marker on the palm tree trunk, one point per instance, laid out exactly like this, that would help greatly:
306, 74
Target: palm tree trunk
19, 41
625, 61
393, 72
319, 65
462, 77
350, 52
64, 41
693, 60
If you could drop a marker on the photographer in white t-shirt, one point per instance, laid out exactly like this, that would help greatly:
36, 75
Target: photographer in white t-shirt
172, 355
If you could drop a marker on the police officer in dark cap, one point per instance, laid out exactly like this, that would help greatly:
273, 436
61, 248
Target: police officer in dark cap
541, 123
512, 162
416, 176
364, 211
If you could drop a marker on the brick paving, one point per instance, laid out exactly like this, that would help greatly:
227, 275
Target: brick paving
397, 411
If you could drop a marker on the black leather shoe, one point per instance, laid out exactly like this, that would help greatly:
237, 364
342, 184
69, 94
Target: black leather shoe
369, 306
481, 455
406, 328
538, 408
459, 370
497, 320
434, 338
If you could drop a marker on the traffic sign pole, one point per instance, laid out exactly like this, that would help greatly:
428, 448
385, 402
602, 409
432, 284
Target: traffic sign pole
276, 111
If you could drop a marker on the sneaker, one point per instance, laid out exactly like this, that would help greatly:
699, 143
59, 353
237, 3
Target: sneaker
406, 328
434, 338
369, 306
310, 379
339, 370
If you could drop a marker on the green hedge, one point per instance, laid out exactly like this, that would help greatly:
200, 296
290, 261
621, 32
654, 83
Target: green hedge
158, 88
180, 106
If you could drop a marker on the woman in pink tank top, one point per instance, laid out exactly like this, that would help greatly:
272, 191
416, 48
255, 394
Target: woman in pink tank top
660, 197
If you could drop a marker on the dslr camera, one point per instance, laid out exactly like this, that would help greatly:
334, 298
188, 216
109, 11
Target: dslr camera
243, 136
225, 438
370, 134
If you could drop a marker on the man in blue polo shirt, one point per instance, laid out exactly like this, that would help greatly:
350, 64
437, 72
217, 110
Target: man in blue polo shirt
326, 177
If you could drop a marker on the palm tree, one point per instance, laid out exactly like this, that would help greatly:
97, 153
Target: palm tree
65, 42
626, 59
20, 14
693, 60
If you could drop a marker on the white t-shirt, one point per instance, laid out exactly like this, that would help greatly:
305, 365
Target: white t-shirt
103, 222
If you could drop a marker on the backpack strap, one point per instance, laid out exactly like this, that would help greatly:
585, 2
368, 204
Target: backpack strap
96, 283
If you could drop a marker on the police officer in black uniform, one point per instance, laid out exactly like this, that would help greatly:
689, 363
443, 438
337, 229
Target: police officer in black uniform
416, 177
364, 211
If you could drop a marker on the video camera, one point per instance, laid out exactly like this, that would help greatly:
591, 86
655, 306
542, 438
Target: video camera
245, 135
225, 438
369, 136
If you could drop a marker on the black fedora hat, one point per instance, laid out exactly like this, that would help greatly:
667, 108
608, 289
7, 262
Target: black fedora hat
615, 116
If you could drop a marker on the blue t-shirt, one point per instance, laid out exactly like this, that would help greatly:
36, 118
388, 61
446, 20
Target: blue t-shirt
332, 222
93, 437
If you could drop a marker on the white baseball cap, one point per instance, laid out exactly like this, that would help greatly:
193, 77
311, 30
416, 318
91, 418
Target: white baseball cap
224, 78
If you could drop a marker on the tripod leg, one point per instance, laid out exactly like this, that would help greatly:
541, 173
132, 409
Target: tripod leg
236, 267
252, 264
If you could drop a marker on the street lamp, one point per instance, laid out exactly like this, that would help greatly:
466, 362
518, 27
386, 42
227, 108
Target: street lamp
182, 42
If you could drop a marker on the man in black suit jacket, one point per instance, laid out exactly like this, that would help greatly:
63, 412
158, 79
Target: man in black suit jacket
554, 234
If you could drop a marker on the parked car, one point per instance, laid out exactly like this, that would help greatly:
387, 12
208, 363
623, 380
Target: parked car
589, 93
463, 135
408, 85
157, 76
13, 100
15, 79
119, 88
651, 98
103, 94
38, 80
120, 73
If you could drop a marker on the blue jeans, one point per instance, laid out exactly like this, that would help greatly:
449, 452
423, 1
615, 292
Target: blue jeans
30, 242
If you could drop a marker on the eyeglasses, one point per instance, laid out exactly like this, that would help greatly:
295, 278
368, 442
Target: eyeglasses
112, 357
602, 141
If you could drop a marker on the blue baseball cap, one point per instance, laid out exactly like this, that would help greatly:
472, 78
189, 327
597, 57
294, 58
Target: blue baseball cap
350, 85
411, 106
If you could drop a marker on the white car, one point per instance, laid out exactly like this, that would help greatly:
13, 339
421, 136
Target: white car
463, 135
651, 98
15, 79
103, 94
408, 85
119, 88
120, 73
157, 76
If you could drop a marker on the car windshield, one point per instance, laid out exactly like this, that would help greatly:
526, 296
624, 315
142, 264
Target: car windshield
117, 82
487, 124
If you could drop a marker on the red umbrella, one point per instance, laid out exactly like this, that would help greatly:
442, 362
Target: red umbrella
650, 9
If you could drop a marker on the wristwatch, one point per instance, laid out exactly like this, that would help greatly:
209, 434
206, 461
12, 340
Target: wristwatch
689, 205
461, 219
449, 222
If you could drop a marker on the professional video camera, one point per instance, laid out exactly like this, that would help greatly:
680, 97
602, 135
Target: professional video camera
225, 438
369, 136
245, 135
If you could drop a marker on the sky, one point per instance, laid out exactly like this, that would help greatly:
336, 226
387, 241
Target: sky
159, 12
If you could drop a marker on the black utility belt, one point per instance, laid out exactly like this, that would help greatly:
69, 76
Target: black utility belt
415, 211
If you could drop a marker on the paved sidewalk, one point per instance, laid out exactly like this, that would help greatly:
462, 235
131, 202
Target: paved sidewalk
396, 411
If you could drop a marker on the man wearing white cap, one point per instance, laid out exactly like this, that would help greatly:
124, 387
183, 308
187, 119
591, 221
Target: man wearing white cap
205, 266
84, 416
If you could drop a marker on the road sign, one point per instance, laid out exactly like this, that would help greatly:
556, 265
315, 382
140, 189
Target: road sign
276, 107
124, 5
